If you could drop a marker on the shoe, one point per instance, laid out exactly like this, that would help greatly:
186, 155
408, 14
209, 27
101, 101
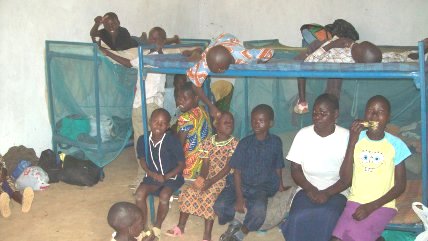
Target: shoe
301, 107
27, 199
231, 230
5, 205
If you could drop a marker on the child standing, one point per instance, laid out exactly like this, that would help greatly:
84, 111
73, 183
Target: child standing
163, 169
374, 162
193, 127
257, 162
199, 198
8, 191
127, 221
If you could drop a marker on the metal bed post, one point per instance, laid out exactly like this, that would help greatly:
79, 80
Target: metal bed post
421, 77
144, 118
97, 95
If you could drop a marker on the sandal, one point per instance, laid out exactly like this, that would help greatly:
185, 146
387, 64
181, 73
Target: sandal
152, 235
301, 107
4, 205
174, 232
27, 199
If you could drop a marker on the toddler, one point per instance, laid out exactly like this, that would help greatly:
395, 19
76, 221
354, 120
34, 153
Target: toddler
8, 191
127, 221
199, 199
374, 163
193, 127
257, 162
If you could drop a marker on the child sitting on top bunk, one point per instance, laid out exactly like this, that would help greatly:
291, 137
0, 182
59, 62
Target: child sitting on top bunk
193, 127
163, 169
257, 162
345, 50
8, 191
127, 221
199, 199
374, 164
223, 51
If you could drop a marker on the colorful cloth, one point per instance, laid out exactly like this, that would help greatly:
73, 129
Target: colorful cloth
334, 55
200, 203
399, 57
374, 167
196, 123
199, 72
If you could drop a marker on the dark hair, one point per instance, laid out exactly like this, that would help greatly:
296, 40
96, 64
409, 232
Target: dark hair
380, 98
330, 99
342, 29
188, 87
265, 109
161, 111
161, 31
179, 77
111, 15
122, 215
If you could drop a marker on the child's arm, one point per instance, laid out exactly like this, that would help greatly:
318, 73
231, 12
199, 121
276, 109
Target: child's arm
365, 210
179, 168
281, 183
182, 137
151, 174
240, 202
94, 30
214, 111
173, 40
200, 181
209, 182
121, 60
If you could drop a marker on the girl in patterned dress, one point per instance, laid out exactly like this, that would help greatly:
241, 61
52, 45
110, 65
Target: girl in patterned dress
193, 127
199, 198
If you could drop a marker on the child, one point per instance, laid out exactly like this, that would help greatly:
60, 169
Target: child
257, 163
127, 221
157, 35
155, 91
226, 49
199, 198
8, 190
374, 162
179, 81
193, 127
163, 169
113, 35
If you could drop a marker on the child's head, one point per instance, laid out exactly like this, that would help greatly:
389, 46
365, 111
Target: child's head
366, 52
156, 34
378, 109
262, 117
125, 217
325, 111
159, 121
179, 80
186, 97
111, 22
225, 124
219, 59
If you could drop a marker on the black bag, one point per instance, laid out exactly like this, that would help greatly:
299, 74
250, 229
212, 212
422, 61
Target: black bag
80, 172
51, 164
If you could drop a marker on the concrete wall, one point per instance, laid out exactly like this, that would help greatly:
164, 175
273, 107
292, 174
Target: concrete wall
27, 24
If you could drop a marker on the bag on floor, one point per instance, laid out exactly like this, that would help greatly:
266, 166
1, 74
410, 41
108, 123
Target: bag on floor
79, 172
22, 164
34, 177
51, 164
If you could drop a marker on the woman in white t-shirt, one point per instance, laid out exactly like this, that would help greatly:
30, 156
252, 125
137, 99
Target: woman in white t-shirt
316, 156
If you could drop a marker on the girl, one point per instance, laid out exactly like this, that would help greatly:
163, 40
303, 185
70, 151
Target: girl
163, 169
193, 127
215, 153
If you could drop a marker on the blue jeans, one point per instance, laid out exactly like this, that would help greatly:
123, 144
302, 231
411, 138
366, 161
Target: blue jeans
310, 221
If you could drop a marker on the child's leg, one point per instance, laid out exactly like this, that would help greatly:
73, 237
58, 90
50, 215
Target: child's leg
163, 207
301, 106
26, 199
208, 229
4, 204
224, 206
334, 86
141, 195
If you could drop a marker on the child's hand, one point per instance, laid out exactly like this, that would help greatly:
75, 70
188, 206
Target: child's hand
240, 205
207, 184
320, 197
158, 177
282, 188
98, 19
176, 39
339, 43
199, 183
354, 131
363, 211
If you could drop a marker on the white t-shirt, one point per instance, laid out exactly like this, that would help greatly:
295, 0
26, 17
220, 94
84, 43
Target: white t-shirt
320, 157
155, 87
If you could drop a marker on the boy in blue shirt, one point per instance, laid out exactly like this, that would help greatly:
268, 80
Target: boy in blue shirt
257, 162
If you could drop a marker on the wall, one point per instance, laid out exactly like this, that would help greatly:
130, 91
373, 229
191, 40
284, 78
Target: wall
27, 24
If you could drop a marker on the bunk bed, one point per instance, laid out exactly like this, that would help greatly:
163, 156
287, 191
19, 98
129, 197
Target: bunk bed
283, 68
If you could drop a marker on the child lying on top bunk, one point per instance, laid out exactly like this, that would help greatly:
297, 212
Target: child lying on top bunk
344, 50
118, 38
223, 51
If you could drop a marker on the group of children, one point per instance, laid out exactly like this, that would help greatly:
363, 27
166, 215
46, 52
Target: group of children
230, 176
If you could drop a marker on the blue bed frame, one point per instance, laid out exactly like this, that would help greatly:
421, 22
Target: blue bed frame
415, 72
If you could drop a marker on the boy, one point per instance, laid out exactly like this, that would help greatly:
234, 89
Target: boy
374, 163
127, 221
223, 51
257, 163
